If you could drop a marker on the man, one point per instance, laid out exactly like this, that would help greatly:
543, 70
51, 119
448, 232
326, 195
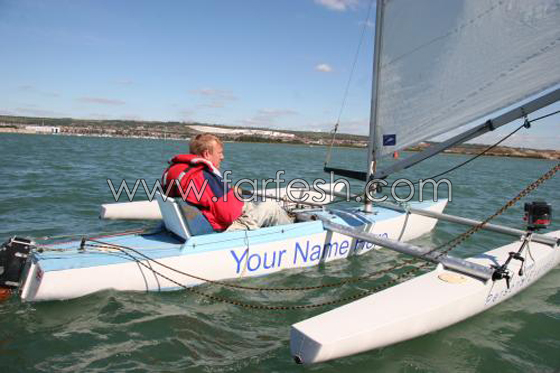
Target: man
202, 185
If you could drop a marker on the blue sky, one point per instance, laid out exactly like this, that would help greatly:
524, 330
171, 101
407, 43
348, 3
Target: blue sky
280, 64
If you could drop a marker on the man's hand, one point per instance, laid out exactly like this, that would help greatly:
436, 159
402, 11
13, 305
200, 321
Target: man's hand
243, 192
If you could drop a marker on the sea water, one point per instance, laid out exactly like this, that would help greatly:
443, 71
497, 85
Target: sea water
53, 185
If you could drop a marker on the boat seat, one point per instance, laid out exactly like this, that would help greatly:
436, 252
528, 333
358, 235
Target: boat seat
182, 218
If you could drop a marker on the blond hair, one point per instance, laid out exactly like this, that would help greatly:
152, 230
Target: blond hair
204, 142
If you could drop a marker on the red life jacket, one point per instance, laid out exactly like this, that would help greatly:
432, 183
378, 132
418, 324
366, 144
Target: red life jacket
180, 169
212, 195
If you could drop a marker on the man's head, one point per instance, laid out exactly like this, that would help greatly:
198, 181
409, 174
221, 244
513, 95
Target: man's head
208, 147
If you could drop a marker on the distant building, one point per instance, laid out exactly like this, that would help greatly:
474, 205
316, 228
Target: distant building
244, 131
43, 129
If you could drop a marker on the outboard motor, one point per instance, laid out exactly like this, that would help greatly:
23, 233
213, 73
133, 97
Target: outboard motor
13, 257
538, 215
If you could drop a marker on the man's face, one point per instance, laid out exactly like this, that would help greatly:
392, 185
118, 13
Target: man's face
216, 156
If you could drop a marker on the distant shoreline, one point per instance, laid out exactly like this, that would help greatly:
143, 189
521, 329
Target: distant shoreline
183, 132
2, 131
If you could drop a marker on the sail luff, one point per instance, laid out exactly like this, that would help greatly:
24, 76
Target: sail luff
373, 131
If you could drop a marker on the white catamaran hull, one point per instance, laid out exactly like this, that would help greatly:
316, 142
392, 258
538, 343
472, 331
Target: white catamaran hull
69, 273
416, 307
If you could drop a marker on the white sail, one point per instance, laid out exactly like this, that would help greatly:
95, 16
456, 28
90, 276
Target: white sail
447, 63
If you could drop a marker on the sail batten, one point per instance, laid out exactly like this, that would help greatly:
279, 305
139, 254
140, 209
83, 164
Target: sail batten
447, 63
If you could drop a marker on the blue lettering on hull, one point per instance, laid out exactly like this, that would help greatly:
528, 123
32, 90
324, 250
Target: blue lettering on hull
255, 261
315, 253
303, 253
360, 245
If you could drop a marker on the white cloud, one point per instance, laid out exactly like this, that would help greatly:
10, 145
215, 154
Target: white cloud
125, 82
101, 100
214, 93
36, 112
369, 24
214, 98
338, 5
323, 67
266, 117
26, 87
276, 112
6, 112
213, 105
32, 89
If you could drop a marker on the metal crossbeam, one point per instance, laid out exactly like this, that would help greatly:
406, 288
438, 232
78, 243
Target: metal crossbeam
450, 262
541, 238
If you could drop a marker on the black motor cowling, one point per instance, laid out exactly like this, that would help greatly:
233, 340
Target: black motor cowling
538, 215
13, 257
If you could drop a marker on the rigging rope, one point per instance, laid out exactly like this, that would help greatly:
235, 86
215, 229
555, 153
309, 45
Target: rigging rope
80, 235
345, 95
251, 288
255, 306
464, 236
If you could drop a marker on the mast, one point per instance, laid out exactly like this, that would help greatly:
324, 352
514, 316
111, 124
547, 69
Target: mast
373, 131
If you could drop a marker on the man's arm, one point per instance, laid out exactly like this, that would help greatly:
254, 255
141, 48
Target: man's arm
225, 207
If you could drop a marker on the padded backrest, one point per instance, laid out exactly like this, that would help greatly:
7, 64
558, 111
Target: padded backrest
181, 218
172, 217
196, 222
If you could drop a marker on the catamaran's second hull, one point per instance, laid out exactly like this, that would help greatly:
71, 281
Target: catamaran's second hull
416, 307
64, 271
